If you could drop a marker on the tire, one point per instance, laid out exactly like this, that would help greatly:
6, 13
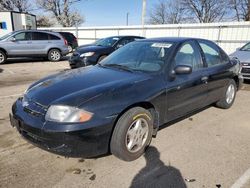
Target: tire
101, 58
229, 96
127, 142
3, 57
70, 49
54, 55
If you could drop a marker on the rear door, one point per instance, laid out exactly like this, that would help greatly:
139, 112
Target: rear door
40, 42
187, 92
218, 69
21, 46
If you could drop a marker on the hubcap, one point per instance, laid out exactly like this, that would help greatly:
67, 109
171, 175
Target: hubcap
230, 93
70, 48
137, 135
1, 57
55, 55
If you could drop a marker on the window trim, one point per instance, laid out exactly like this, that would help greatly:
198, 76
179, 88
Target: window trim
219, 50
194, 42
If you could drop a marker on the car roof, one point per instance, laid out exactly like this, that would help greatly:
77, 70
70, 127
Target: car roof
122, 36
170, 39
35, 30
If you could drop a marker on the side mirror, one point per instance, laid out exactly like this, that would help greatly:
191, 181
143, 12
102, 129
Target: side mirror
12, 39
119, 46
182, 69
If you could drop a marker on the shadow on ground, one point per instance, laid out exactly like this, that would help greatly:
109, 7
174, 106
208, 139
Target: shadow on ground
156, 173
31, 60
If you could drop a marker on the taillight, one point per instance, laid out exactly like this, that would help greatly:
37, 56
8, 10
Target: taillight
65, 41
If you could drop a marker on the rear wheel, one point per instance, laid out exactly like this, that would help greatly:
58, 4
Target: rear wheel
3, 57
132, 134
229, 96
70, 49
54, 55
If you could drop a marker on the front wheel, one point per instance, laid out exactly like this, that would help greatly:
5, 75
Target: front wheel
3, 57
54, 55
132, 134
229, 96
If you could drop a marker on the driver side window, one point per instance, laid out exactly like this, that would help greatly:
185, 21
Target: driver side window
189, 55
23, 36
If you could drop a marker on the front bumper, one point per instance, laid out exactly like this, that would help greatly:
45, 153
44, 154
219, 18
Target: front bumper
245, 71
76, 140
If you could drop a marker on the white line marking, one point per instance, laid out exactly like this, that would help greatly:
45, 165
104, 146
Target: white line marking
242, 180
8, 96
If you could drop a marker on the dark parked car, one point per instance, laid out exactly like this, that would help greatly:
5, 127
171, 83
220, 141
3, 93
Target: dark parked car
243, 55
71, 39
93, 53
120, 103
33, 43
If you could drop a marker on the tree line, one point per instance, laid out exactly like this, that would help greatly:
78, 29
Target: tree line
49, 12
201, 11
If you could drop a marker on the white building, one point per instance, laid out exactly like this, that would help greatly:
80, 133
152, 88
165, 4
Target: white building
12, 21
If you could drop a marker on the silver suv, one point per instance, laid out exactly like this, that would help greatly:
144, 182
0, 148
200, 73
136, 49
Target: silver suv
33, 43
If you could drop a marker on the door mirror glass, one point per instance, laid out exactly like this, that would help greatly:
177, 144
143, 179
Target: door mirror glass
183, 69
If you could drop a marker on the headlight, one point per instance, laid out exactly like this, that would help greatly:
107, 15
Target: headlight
87, 54
59, 113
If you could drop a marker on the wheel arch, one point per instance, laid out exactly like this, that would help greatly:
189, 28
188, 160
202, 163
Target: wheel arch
2, 49
236, 79
146, 105
53, 48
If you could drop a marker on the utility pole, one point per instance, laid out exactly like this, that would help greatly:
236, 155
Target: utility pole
127, 18
143, 16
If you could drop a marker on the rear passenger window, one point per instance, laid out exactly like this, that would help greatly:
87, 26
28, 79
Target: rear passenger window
212, 54
40, 36
53, 37
189, 55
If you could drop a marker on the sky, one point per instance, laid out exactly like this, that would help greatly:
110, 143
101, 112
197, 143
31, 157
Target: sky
111, 12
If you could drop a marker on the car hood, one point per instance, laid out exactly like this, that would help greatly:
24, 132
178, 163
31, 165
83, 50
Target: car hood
243, 56
75, 87
91, 48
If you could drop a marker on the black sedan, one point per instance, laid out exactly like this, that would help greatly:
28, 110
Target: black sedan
93, 53
119, 104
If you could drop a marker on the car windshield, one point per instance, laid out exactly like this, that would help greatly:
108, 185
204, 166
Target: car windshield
6, 36
246, 47
107, 42
139, 56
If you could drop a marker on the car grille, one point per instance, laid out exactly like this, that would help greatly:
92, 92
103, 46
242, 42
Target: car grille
33, 108
245, 70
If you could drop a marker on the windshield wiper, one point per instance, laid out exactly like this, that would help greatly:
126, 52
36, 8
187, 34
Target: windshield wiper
121, 67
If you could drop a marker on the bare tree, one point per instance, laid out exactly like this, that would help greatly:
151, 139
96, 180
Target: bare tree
206, 11
62, 11
167, 11
18, 5
44, 21
241, 8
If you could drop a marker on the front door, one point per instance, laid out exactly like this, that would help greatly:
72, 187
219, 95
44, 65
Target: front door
21, 46
187, 92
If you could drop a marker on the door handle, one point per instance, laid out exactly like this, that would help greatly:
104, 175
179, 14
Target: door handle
204, 79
